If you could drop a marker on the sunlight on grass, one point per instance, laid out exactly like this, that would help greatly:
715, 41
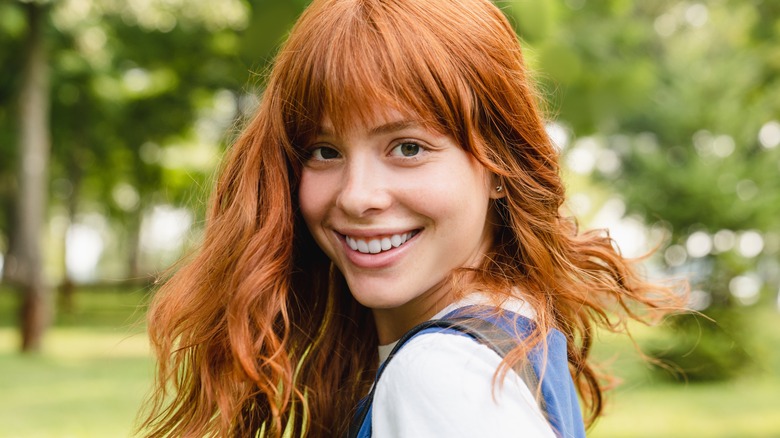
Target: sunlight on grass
95, 370
646, 406
85, 383
746, 408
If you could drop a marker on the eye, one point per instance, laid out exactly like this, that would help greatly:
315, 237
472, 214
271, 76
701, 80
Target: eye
323, 153
406, 149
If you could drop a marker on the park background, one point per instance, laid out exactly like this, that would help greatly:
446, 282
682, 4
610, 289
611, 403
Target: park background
114, 115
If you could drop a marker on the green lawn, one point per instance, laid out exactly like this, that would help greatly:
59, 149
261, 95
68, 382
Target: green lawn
95, 370
89, 380
746, 408
644, 406
87, 383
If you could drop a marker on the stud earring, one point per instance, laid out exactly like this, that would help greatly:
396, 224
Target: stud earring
499, 189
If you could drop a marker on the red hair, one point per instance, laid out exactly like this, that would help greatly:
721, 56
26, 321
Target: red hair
259, 331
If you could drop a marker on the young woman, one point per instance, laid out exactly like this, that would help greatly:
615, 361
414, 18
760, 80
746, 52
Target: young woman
397, 171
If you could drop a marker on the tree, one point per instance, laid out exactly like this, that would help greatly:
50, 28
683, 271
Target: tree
13, 30
113, 88
34, 147
675, 95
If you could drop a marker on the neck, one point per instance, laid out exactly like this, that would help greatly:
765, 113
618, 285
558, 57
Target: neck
391, 324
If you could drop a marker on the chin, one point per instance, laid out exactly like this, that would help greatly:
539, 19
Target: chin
377, 301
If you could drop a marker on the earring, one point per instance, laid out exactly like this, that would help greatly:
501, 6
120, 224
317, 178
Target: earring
499, 188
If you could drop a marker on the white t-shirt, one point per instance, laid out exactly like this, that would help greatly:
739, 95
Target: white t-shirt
441, 385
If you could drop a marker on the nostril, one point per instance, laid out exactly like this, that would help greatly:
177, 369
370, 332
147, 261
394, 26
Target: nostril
359, 199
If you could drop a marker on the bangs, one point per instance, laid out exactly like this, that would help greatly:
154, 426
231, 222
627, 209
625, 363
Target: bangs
354, 58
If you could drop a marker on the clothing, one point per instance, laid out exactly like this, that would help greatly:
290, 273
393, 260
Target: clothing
440, 384
515, 305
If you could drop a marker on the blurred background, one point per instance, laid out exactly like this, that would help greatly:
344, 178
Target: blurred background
114, 115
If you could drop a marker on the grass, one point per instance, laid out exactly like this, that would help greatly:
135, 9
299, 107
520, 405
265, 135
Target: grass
744, 408
90, 378
646, 406
95, 370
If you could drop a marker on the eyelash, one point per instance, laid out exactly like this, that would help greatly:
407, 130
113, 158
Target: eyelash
317, 150
421, 149
313, 152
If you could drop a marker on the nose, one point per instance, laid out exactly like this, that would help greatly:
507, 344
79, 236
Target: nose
365, 189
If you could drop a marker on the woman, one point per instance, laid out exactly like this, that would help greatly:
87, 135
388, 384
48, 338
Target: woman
397, 170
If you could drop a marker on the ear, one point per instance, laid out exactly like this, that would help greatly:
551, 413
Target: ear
497, 189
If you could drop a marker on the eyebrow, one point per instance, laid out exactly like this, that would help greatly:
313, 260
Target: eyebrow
385, 128
394, 126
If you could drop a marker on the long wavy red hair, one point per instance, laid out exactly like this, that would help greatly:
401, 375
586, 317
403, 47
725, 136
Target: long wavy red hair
257, 331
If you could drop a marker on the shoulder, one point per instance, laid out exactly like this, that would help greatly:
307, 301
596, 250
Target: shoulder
435, 358
442, 384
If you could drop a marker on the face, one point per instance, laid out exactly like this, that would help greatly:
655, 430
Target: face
397, 207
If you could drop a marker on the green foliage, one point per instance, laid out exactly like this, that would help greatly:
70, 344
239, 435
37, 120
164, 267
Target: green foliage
12, 29
678, 91
705, 349
269, 24
646, 406
128, 84
534, 20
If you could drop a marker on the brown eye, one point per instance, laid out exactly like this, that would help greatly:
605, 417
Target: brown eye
406, 149
324, 153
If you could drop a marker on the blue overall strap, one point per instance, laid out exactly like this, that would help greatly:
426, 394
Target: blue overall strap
559, 396
360, 427
501, 333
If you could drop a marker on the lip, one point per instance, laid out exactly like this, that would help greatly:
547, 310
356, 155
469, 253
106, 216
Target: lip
380, 260
374, 232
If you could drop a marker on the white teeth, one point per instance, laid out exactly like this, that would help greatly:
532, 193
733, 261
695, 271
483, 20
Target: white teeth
375, 246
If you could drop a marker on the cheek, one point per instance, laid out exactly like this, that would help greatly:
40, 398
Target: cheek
312, 198
457, 192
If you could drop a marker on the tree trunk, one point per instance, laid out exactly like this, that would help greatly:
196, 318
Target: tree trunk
34, 145
133, 239
75, 173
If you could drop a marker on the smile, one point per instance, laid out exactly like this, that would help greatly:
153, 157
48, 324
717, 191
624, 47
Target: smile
377, 245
